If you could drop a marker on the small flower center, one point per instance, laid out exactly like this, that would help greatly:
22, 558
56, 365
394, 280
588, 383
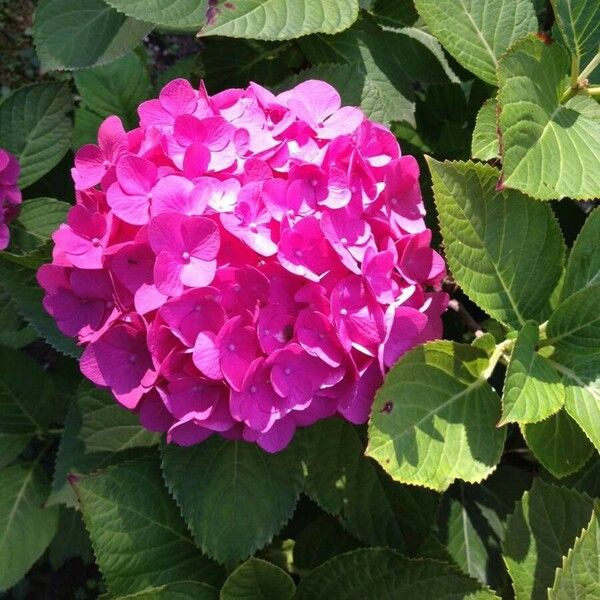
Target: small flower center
344, 312
394, 201
344, 241
132, 358
287, 370
253, 389
231, 347
298, 253
95, 242
314, 182
185, 256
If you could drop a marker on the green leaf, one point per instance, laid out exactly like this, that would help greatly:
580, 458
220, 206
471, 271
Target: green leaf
581, 376
27, 296
382, 68
559, 444
434, 419
583, 267
394, 13
13, 332
182, 590
258, 580
319, 541
26, 528
532, 389
75, 34
383, 574
539, 533
232, 63
178, 14
579, 24
485, 229
486, 145
35, 126
233, 495
97, 431
71, 539
38, 220
477, 32
26, 393
11, 445
115, 89
587, 479
138, 535
280, 19
370, 506
575, 325
549, 149
579, 576
472, 520
86, 127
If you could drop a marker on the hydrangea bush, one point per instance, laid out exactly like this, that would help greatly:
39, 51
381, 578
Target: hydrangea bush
299, 300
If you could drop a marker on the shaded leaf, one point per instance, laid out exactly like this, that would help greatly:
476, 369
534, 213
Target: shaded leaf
26, 528
179, 14
558, 443
182, 590
139, 538
35, 126
370, 506
257, 579
232, 494
539, 533
71, 539
75, 34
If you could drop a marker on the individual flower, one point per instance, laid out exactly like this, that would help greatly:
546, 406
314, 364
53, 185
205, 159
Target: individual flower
243, 264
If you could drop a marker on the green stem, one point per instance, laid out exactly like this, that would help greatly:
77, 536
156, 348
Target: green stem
574, 82
499, 351
594, 90
591, 66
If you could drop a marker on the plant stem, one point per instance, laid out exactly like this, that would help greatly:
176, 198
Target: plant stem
594, 90
591, 66
466, 317
574, 82
497, 354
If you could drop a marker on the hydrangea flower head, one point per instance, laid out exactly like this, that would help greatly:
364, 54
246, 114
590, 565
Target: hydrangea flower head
244, 264
10, 195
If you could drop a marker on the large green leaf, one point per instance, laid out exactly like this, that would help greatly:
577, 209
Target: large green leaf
587, 479
71, 539
583, 267
74, 34
549, 149
478, 32
26, 394
370, 506
179, 14
38, 220
383, 574
575, 325
27, 296
115, 89
232, 494
539, 533
504, 249
97, 431
35, 126
394, 13
486, 145
579, 576
579, 23
138, 535
258, 580
26, 528
532, 389
472, 520
434, 419
558, 443
280, 19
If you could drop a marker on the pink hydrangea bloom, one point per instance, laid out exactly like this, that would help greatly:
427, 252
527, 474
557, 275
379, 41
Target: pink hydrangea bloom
10, 195
243, 264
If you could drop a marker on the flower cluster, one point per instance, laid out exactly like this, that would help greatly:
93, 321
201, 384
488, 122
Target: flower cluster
244, 263
10, 195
